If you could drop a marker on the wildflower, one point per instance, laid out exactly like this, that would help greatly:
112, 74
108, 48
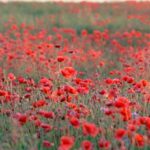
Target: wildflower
66, 143
75, 122
22, 118
60, 58
86, 145
139, 140
109, 81
70, 89
39, 103
46, 114
121, 102
102, 143
120, 133
68, 72
11, 76
46, 127
90, 129
47, 144
102, 92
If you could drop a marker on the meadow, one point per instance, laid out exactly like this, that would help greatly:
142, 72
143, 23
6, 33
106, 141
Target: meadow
75, 76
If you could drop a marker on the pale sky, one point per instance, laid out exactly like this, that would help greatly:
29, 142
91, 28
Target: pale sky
69, 0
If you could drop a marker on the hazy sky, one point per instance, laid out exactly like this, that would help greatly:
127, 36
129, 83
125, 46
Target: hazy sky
69, 0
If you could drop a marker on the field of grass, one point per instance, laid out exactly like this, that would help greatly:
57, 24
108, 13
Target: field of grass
90, 16
75, 76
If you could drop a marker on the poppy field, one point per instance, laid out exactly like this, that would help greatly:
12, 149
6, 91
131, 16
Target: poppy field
75, 76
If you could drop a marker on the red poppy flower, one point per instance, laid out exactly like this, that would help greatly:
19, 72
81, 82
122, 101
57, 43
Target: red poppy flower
66, 142
68, 72
90, 129
86, 145
120, 133
11, 76
102, 92
61, 58
75, 122
126, 114
22, 118
70, 89
46, 114
102, 143
144, 82
46, 127
39, 103
47, 144
121, 102
3, 93
109, 81
139, 140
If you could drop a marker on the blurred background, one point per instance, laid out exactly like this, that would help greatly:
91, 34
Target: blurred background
70, 0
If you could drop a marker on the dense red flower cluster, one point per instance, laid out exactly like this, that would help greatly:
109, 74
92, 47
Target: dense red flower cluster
69, 89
